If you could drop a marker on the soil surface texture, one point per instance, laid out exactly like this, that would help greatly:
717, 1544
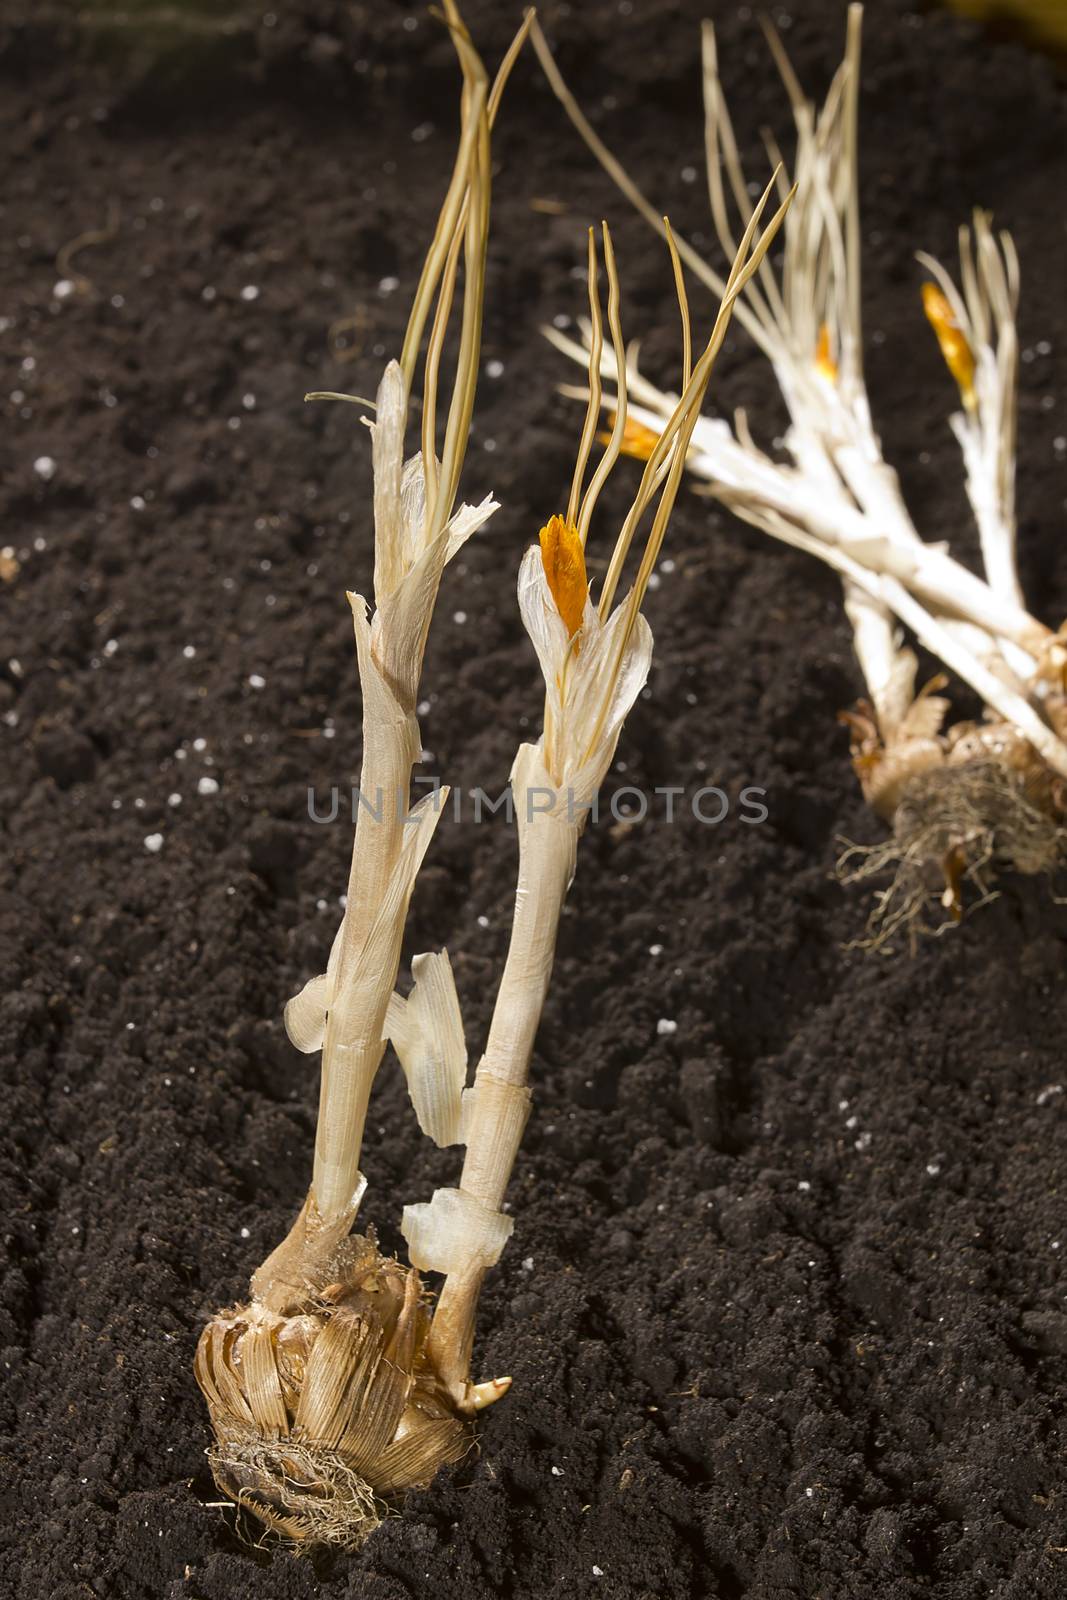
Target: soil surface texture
785, 1302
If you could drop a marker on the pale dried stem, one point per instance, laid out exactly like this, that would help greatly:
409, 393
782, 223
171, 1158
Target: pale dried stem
353, 1043
548, 843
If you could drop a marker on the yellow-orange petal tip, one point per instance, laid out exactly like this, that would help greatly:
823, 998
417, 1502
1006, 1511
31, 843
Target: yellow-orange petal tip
638, 440
825, 365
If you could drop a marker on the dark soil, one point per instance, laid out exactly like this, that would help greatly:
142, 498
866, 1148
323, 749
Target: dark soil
785, 1302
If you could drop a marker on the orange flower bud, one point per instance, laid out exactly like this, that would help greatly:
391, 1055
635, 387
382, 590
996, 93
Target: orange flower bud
957, 353
563, 559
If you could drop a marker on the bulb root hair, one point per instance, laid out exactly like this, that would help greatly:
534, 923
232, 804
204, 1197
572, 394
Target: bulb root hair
956, 825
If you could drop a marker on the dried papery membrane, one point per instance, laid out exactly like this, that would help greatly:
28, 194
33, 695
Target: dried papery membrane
410, 553
413, 1458
306, 1013
321, 1414
426, 1031
588, 692
454, 1232
899, 737
387, 458
464, 522
459, 527
313, 1253
388, 715
413, 507
495, 1114
403, 614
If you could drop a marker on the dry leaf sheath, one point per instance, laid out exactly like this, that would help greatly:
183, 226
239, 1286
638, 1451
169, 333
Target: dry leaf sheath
958, 798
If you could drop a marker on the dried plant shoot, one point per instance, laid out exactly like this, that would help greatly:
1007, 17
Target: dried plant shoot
335, 1388
836, 498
